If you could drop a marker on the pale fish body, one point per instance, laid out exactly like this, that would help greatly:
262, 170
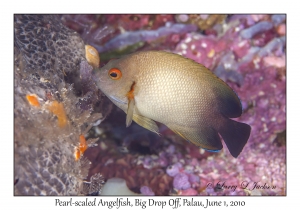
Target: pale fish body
178, 92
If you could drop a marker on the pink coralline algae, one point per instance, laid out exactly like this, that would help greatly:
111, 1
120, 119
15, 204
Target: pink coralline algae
189, 191
248, 53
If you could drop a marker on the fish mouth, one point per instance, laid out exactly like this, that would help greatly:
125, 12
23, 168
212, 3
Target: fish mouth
113, 98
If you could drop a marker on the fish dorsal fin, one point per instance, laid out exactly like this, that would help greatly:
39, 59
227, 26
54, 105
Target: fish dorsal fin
130, 110
146, 123
206, 138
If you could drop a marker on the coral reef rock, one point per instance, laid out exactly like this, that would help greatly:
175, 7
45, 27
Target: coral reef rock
51, 109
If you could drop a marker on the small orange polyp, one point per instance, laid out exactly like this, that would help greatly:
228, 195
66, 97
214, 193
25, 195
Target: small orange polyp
81, 149
82, 144
211, 53
33, 100
58, 109
77, 154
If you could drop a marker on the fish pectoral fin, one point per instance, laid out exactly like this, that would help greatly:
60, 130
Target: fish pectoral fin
146, 123
130, 109
206, 138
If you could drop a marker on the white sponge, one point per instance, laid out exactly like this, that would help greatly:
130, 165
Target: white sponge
116, 186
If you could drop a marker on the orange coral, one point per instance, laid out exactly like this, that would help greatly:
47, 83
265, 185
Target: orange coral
82, 144
77, 153
58, 109
33, 100
81, 149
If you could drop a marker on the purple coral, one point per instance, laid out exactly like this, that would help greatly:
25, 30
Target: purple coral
173, 170
181, 181
255, 29
129, 38
194, 178
145, 190
277, 19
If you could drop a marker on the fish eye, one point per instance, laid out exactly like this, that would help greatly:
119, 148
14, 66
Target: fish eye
115, 73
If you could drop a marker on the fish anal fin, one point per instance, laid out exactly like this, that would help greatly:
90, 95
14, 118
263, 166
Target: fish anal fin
146, 123
130, 111
206, 138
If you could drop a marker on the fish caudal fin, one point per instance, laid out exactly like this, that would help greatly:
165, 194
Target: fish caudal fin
235, 135
206, 138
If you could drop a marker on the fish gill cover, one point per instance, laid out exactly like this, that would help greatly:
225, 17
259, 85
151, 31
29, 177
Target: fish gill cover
57, 102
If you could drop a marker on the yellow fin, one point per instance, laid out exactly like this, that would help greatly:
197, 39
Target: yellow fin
130, 110
146, 123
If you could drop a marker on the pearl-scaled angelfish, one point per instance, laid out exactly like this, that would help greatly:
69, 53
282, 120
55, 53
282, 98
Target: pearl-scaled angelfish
160, 86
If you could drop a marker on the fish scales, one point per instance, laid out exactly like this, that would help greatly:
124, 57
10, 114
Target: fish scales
168, 96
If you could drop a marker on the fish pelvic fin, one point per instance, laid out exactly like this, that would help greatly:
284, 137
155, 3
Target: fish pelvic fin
130, 111
131, 104
235, 135
206, 138
146, 123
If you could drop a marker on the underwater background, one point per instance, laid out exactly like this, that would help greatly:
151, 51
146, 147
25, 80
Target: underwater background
57, 106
